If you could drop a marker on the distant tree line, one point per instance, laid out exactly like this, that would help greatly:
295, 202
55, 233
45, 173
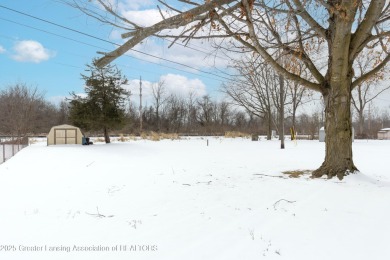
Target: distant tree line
25, 112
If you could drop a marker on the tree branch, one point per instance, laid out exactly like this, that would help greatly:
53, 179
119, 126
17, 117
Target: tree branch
170, 23
309, 19
363, 32
371, 73
268, 58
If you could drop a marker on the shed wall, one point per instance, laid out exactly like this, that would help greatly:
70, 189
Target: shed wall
64, 134
384, 135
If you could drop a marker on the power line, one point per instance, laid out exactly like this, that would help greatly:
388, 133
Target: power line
187, 45
107, 41
118, 64
101, 48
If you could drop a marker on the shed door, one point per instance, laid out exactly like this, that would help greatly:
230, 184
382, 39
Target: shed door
65, 136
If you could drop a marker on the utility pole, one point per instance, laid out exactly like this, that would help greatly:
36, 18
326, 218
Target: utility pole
140, 105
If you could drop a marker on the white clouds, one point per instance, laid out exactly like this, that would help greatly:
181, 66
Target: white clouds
137, 11
182, 86
31, 51
144, 17
134, 4
174, 85
115, 35
197, 56
2, 50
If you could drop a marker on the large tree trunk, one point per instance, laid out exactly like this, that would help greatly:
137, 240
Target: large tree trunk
338, 128
337, 93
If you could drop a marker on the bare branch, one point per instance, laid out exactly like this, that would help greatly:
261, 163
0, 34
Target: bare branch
364, 29
309, 19
377, 94
162, 15
169, 7
371, 73
272, 61
112, 12
189, 2
170, 23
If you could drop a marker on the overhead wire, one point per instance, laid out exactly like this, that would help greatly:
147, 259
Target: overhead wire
110, 42
187, 45
98, 47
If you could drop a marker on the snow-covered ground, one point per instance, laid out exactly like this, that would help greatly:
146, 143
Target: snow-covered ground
182, 199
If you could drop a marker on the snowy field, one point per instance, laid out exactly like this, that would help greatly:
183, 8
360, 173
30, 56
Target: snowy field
184, 200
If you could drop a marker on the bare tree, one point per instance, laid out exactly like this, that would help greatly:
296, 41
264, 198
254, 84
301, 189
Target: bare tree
21, 109
326, 36
206, 112
191, 119
63, 111
175, 113
252, 90
297, 95
223, 114
367, 91
309, 124
159, 98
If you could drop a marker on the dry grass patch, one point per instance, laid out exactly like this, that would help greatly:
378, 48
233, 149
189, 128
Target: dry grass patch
297, 173
121, 138
144, 135
153, 136
99, 140
235, 134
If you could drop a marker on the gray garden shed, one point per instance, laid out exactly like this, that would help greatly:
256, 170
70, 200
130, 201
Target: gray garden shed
322, 135
64, 134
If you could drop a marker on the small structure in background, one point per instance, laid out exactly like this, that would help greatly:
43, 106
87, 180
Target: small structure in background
384, 134
64, 134
322, 135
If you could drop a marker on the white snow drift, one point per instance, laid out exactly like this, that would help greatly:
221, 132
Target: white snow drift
178, 200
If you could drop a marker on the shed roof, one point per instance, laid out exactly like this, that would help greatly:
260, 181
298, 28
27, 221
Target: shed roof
65, 126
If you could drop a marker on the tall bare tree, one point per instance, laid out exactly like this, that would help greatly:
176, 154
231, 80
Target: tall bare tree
325, 35
192, 115
369, 90
297, 94
159, 98
252, 89
206, 112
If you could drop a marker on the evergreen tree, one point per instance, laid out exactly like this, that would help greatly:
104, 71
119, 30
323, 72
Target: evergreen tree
104, 106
